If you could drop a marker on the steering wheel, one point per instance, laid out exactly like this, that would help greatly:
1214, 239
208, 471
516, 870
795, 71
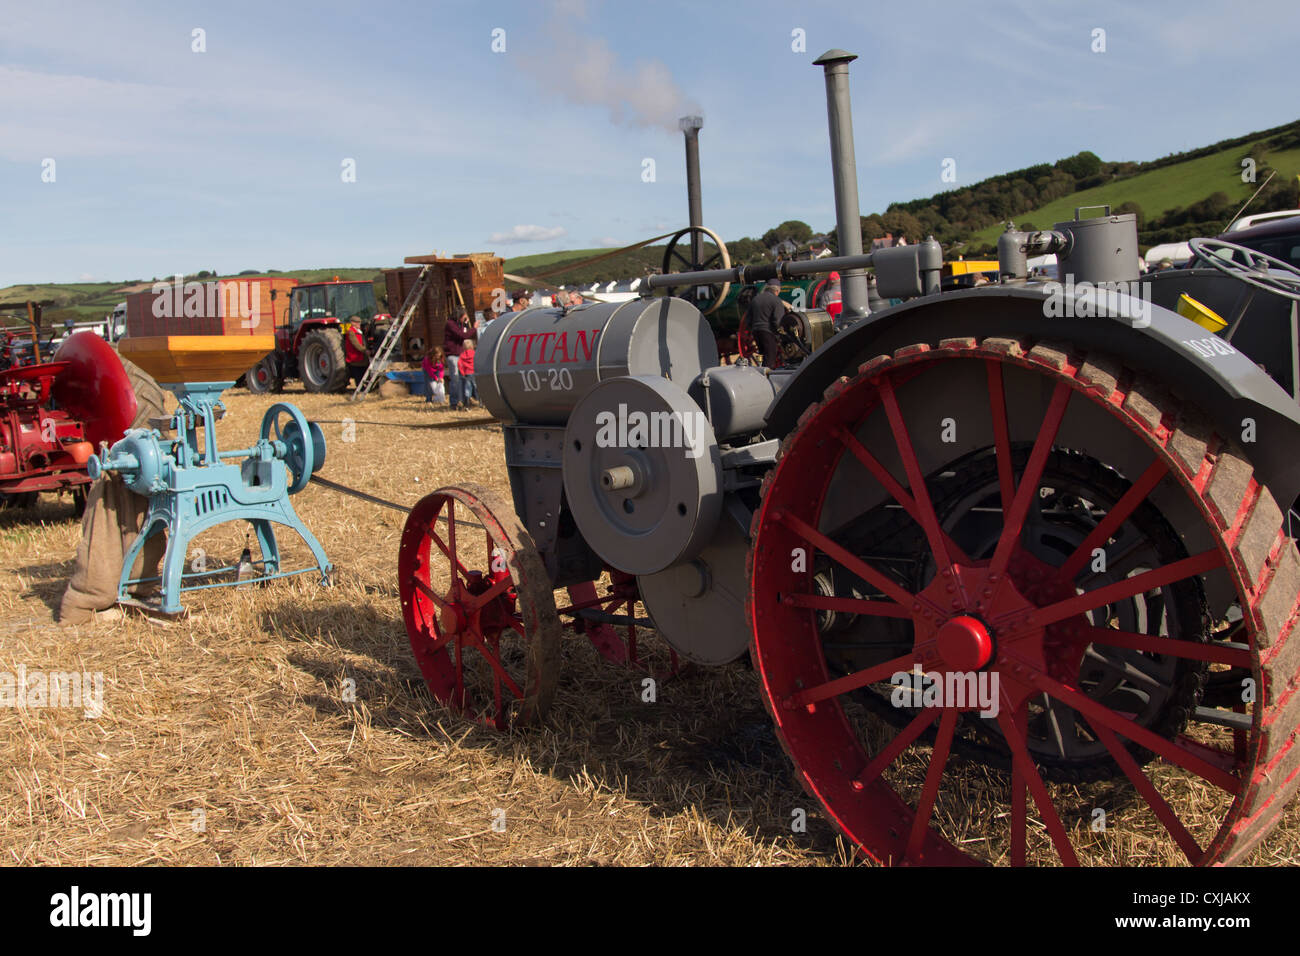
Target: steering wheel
1254, 271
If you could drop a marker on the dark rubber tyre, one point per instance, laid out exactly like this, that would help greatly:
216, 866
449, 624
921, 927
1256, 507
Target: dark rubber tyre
321, 363
264, 377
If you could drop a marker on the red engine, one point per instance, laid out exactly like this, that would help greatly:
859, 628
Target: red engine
52, 415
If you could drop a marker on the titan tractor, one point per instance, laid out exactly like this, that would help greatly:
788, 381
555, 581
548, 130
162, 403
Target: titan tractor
309, 342
1021, 550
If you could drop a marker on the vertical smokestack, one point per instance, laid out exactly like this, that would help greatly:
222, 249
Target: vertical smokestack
844, 170
690, 127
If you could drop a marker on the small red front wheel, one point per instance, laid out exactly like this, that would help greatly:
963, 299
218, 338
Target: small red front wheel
478, 607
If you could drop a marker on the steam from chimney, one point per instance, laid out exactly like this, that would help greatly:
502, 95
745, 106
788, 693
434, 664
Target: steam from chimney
584, 70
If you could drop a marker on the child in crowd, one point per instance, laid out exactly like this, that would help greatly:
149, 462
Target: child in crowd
468, 391
433, 367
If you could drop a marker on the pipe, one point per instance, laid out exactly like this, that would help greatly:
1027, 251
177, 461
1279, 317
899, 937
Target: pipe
690, 127
760, 273
844, 170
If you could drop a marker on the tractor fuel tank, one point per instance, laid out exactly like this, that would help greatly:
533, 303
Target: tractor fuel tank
534, 366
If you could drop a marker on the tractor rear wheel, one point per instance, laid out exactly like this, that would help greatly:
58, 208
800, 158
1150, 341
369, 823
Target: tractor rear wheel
264, 376
1043, 559
478, 607
321, 362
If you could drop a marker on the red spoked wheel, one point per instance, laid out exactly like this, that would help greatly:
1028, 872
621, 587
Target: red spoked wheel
1036, 563
478, 607
616, 632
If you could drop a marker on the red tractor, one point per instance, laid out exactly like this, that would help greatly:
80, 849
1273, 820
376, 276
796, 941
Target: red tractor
309, 342
54, 414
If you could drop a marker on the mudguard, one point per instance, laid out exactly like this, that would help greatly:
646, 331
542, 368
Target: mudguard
1197, 367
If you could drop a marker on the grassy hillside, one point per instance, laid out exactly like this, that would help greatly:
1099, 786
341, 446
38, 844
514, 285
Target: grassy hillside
1161, 190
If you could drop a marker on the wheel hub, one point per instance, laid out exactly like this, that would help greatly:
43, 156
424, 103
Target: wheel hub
964, 643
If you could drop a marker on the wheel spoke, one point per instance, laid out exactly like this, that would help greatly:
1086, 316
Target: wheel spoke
844, 558
1097, 713
820, 602
476, 601
890, 484
1147, 789
902, 740
1152, 644
1061, 723
1019, 810
933, 776
428, 592
1001, 434
1117, 515
495, 664
455, 561
1013, 521
923, 510
1196, 565
1028, 774
810, 696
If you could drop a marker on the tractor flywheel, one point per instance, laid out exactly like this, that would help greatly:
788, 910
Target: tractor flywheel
1039, 562
478, 607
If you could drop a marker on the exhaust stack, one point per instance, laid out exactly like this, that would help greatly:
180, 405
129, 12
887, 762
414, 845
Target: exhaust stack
844, 171
690, 127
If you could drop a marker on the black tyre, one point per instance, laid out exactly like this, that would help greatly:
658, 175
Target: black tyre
150, 399
264, 376
320, 361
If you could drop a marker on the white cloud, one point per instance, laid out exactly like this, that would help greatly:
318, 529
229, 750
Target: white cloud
527, 234
606, 242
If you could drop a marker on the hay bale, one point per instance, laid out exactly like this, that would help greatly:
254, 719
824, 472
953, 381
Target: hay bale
394, 390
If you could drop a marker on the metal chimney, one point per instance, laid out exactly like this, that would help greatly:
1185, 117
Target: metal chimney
844, 170
690, 127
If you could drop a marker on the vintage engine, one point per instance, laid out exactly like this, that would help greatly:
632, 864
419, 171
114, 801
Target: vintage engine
630, 446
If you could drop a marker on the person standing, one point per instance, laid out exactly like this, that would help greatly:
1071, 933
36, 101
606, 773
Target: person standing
832, 298
765, 314
355, 354
469, 389
453, 343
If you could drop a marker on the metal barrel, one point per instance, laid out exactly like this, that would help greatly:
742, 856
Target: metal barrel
534, 366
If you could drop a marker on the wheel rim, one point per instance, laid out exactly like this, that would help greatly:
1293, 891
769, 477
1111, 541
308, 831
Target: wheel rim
315, 364
888, 785
478, 608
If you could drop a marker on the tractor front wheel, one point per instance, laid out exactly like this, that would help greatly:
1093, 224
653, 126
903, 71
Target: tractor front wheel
321, 361
1044, 559
478, 607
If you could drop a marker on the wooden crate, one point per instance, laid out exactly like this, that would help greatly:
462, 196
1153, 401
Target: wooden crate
476, 279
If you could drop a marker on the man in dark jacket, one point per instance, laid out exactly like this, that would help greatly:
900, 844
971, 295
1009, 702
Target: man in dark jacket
453, 343
765, 314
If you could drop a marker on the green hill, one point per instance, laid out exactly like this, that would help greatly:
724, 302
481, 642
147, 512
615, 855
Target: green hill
1162, 190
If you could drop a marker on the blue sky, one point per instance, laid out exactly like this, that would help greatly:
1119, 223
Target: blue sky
168, 160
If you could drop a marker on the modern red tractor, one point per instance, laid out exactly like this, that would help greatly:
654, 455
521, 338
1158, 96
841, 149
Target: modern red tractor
54, 414
309, 342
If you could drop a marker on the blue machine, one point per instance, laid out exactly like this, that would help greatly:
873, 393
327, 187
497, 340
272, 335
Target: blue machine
193, 487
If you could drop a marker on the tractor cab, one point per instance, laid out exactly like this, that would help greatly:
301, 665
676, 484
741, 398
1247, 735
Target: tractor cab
328, 304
